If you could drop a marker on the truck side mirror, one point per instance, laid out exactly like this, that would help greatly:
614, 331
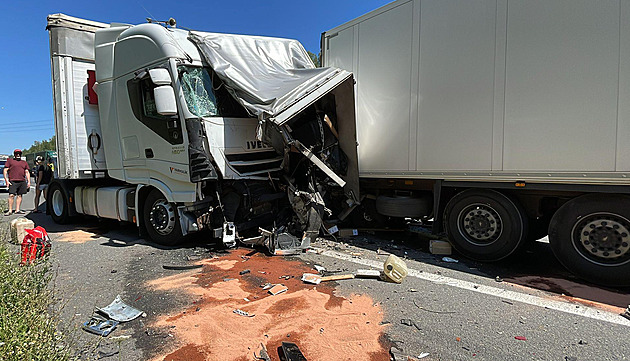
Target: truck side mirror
165, 103
160, 76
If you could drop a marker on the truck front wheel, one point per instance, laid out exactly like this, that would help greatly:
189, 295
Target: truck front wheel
58, 205
590, 236
161, 220
485, 225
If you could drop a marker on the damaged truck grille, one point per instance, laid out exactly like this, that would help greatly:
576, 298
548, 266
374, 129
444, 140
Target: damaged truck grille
254, 162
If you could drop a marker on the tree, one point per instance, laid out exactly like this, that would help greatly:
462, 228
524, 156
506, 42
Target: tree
315, 58
50, 144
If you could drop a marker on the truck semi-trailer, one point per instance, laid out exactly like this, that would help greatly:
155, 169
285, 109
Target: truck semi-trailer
179, 131
504, 120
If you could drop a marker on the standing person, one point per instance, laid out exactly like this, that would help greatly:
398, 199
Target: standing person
44, 176
18, 180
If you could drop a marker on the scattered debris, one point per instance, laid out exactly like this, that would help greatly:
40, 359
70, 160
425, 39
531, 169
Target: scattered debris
277, 289
229, 234
119, 311
412, 290
266, 286
319, 268
346, 232
498, 279
243, 272
520, 338
382, 253
100, 325
317, 279
262, 355
410, 322
369, 273
292, 352
423, 355
458, 339
432, 311
193, 257
439, 247
449, 260
581, 342
243, 313
395, 269
181, 267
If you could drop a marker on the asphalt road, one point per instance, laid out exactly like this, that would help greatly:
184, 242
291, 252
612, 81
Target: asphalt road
460, 311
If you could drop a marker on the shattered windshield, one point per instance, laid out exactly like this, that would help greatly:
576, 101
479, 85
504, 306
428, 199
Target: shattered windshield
198, 91
206, 95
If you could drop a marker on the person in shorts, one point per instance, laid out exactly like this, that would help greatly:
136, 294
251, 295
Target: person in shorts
43, 176
18, 180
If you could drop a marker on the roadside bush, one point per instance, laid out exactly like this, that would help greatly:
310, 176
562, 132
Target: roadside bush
27, 332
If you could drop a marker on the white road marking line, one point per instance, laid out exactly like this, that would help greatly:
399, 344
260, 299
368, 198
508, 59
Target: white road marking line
561, 306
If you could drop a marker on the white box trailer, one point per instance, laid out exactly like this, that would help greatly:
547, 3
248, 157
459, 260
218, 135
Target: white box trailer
499, 118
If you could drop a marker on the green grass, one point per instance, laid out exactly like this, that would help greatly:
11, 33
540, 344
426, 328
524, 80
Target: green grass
27, 331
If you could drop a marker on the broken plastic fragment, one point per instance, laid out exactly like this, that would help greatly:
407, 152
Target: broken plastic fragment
99, 325
277, 289
120, 311
243, 313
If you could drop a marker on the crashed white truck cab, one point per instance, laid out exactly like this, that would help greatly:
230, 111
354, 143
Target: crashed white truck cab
179, 131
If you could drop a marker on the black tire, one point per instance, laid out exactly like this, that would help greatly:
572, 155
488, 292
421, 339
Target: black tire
161, 220
590, 236
366, 216
58, 205
485, 225
402, 207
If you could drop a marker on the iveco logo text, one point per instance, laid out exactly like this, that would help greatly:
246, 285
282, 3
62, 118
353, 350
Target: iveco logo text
255, 144
177, 170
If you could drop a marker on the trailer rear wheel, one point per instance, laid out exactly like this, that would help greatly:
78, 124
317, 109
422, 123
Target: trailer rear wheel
590, 236
485, 225
161, 220
58, 205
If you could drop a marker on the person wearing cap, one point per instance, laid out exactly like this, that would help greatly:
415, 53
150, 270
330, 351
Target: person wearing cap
18, 180
43, 177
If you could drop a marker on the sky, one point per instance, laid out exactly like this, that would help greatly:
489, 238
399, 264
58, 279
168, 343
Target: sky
26, 110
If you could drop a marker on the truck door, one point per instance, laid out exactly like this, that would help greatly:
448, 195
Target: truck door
153, 145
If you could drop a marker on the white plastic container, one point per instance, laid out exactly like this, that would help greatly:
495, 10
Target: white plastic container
18, 227
395, 269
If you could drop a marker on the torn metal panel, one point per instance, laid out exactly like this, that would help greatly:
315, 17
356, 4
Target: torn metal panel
313, 158
266, 75
119, 311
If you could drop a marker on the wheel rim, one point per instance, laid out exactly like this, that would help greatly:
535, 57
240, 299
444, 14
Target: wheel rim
162, 217
480, 224
57, 203
603, 238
